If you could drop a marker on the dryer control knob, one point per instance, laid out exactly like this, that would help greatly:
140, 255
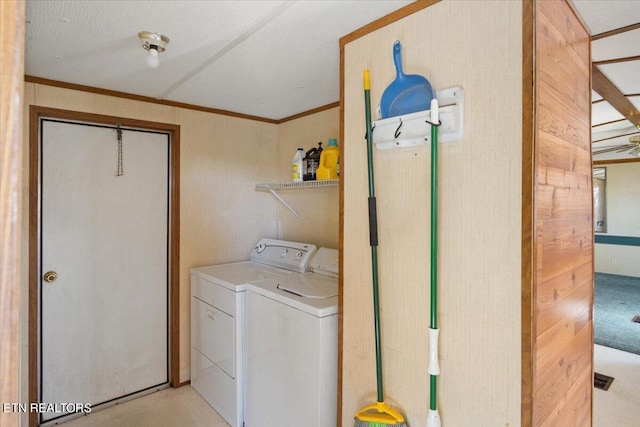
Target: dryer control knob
284, 252
300, 254
261, 247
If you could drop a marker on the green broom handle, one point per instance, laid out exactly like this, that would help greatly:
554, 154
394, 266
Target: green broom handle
373, 235
376, 315
367, 101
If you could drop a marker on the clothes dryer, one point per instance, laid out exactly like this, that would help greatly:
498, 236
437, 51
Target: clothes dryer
217, 320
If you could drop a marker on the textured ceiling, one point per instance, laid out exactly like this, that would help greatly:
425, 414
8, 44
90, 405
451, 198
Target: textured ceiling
606, 15
617, 56
270, 59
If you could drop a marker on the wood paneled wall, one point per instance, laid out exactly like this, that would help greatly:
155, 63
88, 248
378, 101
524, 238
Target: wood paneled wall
221, 159
554, 226
318, 221
562, 238
476, 45
11, 100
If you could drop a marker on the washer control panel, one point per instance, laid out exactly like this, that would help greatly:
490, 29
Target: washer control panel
294, 256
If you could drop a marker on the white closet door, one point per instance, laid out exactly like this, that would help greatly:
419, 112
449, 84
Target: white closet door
104, 319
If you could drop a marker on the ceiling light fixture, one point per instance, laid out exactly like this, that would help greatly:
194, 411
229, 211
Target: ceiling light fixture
154, 43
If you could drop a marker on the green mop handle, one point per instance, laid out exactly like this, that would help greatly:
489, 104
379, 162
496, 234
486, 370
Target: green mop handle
433, 419
373, 234
434, 248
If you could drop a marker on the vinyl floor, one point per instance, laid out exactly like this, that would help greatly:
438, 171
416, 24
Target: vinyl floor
620, 405
171, 407
184, 407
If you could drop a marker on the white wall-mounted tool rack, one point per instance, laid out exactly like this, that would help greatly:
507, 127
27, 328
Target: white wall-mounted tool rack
412, 130
272, 187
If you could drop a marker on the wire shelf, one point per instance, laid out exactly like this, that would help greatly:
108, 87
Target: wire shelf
272, 187
303, 184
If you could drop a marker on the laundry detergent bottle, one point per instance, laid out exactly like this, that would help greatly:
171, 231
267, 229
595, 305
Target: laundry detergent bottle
328, 168
297, 168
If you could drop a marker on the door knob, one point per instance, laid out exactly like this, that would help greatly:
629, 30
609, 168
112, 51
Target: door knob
50, 276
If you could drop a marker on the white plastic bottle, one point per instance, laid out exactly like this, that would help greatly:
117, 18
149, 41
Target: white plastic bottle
296, 166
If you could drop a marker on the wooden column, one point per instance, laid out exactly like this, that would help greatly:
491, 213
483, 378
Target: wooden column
561, 240
11, 89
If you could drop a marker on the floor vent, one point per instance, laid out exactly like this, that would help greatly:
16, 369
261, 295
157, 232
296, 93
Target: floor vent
602, 382
636, 319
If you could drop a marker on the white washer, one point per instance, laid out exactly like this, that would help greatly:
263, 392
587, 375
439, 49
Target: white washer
291, 344
217, 320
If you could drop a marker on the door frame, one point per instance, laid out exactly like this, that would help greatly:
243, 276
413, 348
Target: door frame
35, 114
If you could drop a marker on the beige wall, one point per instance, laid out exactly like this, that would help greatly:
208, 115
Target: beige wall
623, 219
476, 45
221, 160
623, 199
317, 208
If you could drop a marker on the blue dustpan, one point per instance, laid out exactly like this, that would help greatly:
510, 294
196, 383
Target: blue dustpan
408, 93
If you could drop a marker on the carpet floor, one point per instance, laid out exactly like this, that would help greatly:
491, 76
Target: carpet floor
617, 302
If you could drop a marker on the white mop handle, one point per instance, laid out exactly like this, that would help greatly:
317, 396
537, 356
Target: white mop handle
434, 367
433, 419
435, 114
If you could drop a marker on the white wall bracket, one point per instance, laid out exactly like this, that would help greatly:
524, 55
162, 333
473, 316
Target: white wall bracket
272, 187
281, 200
411, 130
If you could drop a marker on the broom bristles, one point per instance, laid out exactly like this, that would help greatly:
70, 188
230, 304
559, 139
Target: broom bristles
379, 414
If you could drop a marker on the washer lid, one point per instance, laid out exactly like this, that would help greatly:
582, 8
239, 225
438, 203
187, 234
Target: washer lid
312, 293
308, 287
